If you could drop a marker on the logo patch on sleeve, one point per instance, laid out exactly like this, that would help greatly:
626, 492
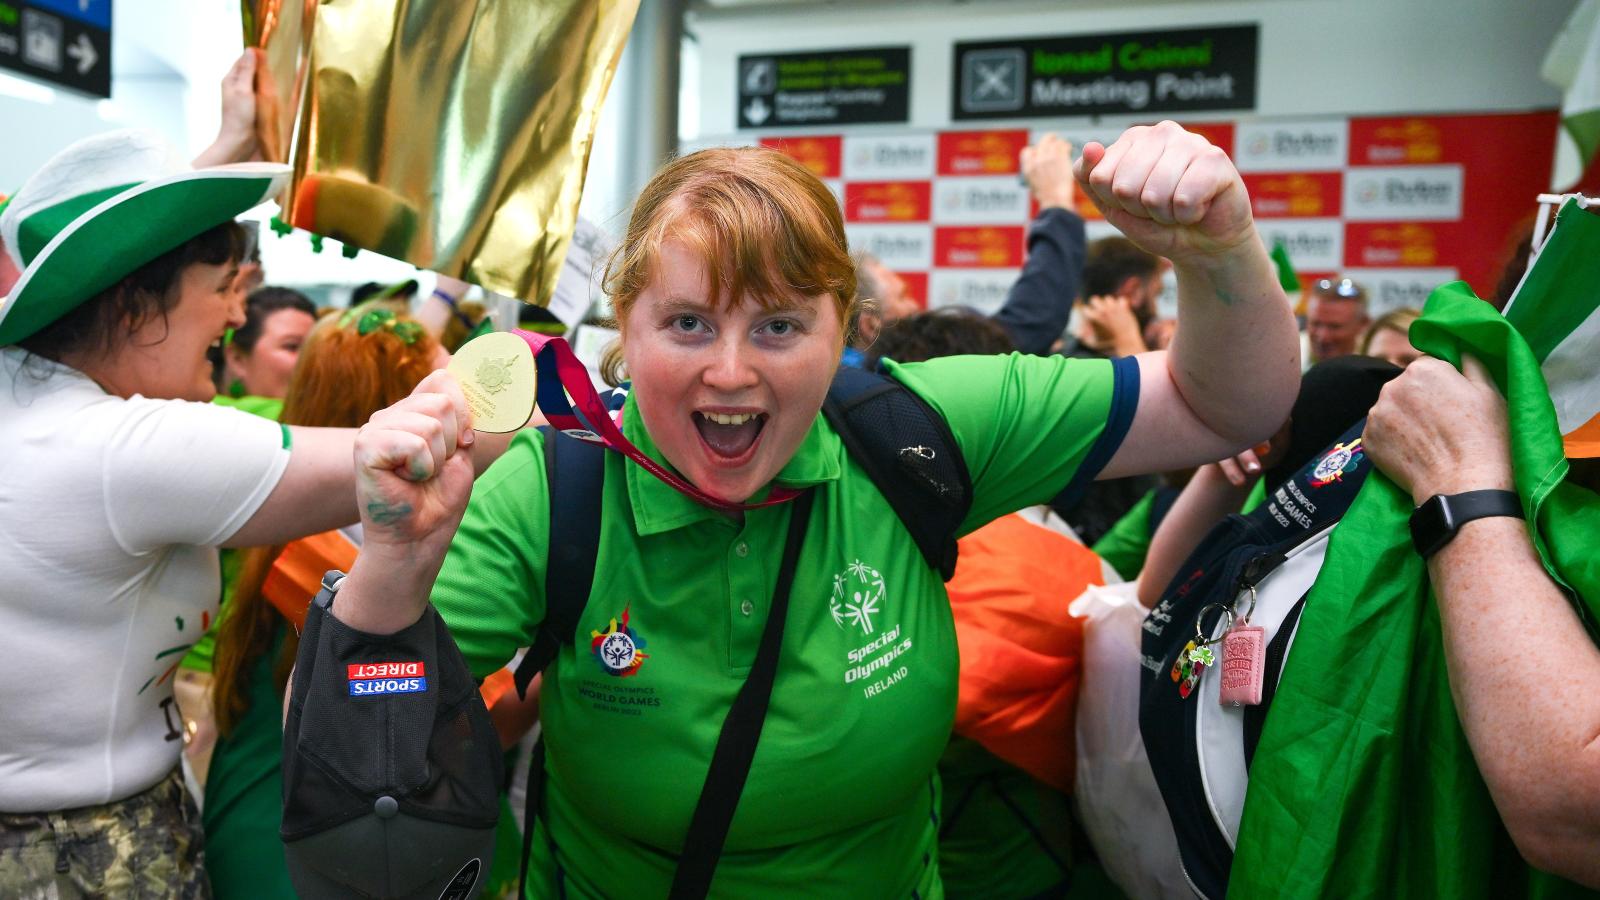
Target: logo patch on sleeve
374, 679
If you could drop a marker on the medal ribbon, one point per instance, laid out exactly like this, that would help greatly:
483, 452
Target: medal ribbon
560, 373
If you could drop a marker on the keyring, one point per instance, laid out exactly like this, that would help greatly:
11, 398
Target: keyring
1200, 639
1251, 609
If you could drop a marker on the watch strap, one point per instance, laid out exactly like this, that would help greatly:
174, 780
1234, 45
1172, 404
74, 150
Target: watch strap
1436, 521
330, 586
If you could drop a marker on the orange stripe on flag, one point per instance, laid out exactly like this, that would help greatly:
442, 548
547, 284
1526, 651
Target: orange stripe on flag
501, 684
296, 576
1583, 442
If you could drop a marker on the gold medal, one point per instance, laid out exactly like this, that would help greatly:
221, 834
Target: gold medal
496, 374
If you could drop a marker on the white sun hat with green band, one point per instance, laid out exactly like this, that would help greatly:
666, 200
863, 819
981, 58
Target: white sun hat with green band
105, 206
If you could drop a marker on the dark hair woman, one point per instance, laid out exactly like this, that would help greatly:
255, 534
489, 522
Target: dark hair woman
257, 358
116, 488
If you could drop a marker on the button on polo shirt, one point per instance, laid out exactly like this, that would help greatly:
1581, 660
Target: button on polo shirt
842, 796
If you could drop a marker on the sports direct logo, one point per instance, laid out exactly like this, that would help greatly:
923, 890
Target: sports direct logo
379, 678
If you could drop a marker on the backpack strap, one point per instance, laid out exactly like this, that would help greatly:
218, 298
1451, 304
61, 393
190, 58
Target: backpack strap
908, 451
568, 578
1255, 717
574, 545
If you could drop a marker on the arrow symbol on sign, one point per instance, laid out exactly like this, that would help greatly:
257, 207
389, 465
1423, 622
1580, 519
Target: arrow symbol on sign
756, 112
83, 52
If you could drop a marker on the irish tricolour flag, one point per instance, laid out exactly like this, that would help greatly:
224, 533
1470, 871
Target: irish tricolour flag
1557, 310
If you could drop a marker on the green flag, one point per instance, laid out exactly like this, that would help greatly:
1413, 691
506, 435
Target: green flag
1557, 309
1363, 783
1287, 279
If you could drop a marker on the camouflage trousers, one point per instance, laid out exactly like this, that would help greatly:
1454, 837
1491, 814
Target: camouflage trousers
148, 845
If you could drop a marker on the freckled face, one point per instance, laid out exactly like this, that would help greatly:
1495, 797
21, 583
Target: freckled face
727, 395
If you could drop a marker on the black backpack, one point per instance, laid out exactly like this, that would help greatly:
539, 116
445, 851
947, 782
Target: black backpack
1266, 562
907, 450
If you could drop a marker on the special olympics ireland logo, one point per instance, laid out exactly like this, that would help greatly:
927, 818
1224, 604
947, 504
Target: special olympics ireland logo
857, 596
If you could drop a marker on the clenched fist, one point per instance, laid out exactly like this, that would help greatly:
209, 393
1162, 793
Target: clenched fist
1170, 191
412, 476
1047, 167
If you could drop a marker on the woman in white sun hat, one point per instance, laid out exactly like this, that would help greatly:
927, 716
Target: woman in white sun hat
118, 481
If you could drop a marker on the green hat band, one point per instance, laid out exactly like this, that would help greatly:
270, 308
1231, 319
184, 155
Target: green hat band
73, 253
39, 229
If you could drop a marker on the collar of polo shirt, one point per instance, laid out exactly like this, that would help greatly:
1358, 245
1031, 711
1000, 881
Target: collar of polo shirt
658, 507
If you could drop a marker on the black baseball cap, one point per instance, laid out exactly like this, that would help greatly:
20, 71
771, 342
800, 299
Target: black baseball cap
1334, 395
391, 765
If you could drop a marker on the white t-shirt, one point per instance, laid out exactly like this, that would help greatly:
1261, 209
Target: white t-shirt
110, 513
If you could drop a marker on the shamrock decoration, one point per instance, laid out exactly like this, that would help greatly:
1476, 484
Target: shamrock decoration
381, 318
373, 320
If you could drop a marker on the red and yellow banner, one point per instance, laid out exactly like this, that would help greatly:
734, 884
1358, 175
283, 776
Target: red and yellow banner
916, 286
983, 247
981, 152
888, 201
1309, 195
822, 155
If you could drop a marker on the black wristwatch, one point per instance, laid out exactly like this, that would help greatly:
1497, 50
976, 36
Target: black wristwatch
1436, 521
330, 586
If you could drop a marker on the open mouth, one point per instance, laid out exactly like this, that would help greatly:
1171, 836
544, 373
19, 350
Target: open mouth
730, 438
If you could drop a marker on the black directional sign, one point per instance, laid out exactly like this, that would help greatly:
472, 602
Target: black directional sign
825, 87
63, 42
1187, 70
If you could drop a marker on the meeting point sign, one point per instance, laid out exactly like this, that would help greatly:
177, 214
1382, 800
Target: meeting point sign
1135, 73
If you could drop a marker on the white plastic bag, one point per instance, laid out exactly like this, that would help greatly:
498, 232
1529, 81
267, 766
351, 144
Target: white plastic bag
1118, 801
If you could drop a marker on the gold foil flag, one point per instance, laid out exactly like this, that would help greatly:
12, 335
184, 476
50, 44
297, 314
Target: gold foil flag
450, 134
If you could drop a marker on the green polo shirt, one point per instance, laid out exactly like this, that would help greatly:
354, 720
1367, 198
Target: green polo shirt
842, 798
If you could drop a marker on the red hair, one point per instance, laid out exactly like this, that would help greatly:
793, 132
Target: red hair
761, 223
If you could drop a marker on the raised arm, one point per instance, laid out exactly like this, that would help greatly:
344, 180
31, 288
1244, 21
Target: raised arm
318, 491
412, 484
1040, 301
439, 307
1523, 671
238, 138
1232, 371
1216, 490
